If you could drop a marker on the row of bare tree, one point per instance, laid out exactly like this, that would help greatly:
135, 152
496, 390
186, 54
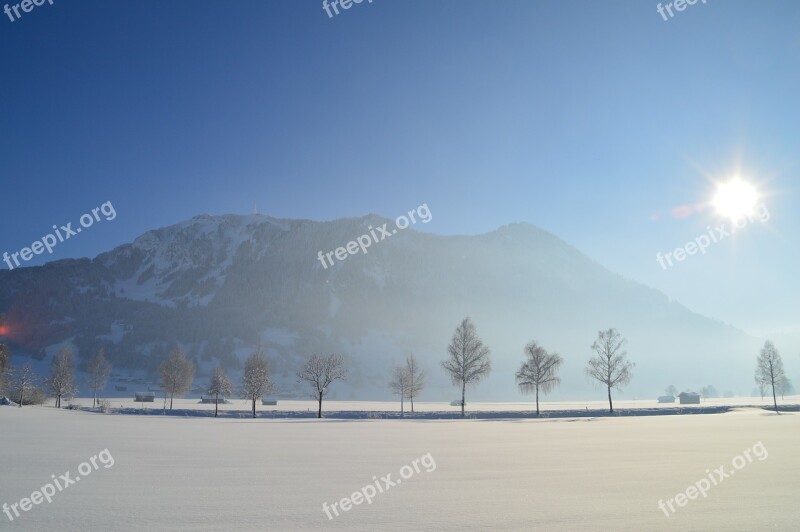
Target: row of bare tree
319, 372
176, 372
22, 383
469, 362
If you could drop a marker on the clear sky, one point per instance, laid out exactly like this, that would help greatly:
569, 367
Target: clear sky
591, 119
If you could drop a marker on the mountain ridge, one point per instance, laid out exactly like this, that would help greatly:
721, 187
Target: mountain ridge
220, 285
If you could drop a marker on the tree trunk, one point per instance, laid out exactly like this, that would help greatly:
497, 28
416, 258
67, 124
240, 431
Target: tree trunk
774, 400
463, 395
537, 400
216, 405
610, 404
319, 412
412, 404
402, 411
21, 397
170, 400
254, 407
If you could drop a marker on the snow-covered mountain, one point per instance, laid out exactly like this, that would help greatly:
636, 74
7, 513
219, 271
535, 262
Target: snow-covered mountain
220, 285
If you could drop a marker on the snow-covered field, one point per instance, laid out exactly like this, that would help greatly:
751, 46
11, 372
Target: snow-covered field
329, 406
195, 473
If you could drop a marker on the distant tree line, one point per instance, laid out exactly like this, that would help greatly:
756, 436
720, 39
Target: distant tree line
468, 362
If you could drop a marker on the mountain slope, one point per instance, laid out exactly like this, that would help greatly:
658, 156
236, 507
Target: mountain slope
220, 285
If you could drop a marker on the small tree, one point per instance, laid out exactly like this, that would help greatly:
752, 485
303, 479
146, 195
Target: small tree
769, 370
61, 382
177, 374
319, 372
468, 361
98, 370
611, 366
671, 390
23, 383
709, 392
539, 371
219, 386
255, 380
416, 378
5, 367
786, 387
399, 384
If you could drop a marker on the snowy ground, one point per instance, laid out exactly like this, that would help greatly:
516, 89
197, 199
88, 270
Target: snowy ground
237, 406
595, 473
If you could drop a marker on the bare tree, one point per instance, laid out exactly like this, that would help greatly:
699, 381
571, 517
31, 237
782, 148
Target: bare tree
23, 383
539, 371
416, 379
709, 392
786, 387
671, 390
98, 370
769, 370
611, 366
399, 384
61, 382
5, 367
468, 360
255, 380
319, 372
177, 374
219, 386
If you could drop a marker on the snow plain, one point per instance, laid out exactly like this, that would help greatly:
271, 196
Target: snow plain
590, 473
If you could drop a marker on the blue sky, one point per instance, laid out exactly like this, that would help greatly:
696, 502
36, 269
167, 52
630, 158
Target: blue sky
582, 117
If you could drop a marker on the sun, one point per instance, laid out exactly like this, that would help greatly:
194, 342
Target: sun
735, 199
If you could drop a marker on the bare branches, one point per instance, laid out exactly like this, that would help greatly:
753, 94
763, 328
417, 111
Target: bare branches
539, 371
219, 386
400, 383
5, 367
611, 366
98, 371
769, 371
177, 374
416, 378
23, 384
61, 382
319, 372
256, 381
468, 360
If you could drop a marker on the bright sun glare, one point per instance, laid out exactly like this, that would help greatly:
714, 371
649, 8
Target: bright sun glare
735, 199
